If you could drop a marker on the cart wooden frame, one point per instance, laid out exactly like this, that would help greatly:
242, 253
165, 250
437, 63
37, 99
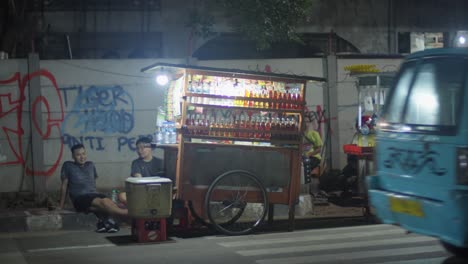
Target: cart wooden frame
274, 169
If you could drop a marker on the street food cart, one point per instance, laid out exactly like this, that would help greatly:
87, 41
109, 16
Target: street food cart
239, 142
372, 88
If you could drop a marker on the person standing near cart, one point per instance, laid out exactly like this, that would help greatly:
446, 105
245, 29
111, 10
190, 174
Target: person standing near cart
312, 158
146, 165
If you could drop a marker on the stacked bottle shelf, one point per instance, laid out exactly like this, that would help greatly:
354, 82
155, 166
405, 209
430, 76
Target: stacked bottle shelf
242, 127
251, 110
221, 91
265, 103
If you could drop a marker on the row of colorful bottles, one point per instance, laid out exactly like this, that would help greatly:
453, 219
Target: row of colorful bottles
257, 127
247, 103
279, 95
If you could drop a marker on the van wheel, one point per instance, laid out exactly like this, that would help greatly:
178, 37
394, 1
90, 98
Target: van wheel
457, 251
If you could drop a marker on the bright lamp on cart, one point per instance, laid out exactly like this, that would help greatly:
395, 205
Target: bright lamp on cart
163, 77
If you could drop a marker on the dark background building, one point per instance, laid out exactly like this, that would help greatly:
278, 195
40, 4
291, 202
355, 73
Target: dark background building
61, 29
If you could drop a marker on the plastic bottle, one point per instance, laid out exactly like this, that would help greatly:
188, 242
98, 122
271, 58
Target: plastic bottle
159, 136
114, 195
165, 133
172, 134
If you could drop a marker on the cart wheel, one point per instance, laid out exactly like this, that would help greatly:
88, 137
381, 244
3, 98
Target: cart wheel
236, 202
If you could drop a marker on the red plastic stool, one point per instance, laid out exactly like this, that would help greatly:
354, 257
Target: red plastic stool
149, 229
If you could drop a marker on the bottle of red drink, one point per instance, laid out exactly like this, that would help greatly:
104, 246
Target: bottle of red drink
262, 128
242, 126
282, 128
273, 129
256, 127
299, 100
294, 129
267, 128
247, 126
281, 97
287, 127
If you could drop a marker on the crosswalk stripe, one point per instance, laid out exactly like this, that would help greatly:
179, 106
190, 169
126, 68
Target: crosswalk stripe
353, 244
311, 231
352, 255
307, 238
418, 261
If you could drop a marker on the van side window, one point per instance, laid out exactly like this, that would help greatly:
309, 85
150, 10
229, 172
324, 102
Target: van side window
435, 95
427, 96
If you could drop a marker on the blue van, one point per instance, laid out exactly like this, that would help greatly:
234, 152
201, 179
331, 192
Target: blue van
421, 181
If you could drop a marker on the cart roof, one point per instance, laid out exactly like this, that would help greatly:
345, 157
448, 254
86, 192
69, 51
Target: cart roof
231, 72
381, 79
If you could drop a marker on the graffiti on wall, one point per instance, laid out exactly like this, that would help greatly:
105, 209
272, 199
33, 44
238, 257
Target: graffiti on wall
123, 143
107, 109
99, 117
318, 117
12, 107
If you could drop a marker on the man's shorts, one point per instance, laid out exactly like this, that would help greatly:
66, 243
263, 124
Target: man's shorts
83, 202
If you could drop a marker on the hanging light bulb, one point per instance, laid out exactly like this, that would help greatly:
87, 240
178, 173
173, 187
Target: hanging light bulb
162, 79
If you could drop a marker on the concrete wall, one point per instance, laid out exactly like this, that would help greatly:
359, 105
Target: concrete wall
69, 88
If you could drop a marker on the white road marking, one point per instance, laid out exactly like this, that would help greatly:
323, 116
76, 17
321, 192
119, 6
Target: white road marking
418, 261
69, 248
308, 238
353, 255
312, 231
353, 244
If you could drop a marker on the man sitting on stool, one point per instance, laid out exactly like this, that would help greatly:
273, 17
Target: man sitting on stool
146, 165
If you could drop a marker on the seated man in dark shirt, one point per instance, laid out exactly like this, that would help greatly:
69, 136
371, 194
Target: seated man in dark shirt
79, 179
146, 165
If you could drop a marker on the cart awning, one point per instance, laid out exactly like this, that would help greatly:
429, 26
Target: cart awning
180, 67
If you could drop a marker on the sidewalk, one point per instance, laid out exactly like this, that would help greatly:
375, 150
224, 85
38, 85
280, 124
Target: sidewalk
42, 219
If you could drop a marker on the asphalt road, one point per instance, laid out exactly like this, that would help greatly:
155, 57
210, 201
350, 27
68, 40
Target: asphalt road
324, 242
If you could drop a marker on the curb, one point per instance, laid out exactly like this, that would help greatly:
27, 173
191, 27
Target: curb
42, 219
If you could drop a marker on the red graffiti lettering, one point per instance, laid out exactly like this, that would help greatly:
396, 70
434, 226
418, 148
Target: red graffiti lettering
14, 108
318, 116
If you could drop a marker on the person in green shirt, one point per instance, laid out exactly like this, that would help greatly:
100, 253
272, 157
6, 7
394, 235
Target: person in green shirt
312, 158
313, 146
312, 149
